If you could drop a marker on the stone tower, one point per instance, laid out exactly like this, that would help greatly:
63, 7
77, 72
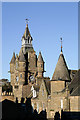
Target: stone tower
61, 75
25, 68
59, 90
12, 69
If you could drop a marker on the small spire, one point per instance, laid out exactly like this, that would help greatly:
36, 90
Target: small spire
61, 43
40, 58
13, 58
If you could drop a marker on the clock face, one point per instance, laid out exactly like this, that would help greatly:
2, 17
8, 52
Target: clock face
31, 78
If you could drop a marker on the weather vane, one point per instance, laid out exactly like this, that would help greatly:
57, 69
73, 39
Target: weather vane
27, 20
61, 43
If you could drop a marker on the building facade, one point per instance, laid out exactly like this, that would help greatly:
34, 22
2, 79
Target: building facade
28, 81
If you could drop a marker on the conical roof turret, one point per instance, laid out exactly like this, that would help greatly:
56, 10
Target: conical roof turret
40, 58
22, 57
61, 71
13, 58
26, 33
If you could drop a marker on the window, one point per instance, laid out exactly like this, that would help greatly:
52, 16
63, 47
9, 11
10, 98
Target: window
16, 65
34, 93
41, 65
32, 107
16, 78
37, 107
43, 92
16, 87
43, 107
20, 75
61, 103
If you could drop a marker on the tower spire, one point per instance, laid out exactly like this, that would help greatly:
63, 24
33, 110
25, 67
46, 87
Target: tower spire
61, 43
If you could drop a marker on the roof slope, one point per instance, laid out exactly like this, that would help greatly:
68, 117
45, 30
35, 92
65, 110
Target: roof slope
26, 33
21, 56
61, 71
74, 86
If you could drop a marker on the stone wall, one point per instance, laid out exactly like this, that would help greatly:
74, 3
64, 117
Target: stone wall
74, 103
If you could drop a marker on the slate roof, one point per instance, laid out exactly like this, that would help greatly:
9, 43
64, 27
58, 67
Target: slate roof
74, 86
26, 91
26, 33
61, 71
13, 59
27, 88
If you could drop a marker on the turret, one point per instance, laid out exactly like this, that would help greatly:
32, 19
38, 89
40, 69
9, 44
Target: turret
12, 62
40, 65
22, 67
61, 75
12, 68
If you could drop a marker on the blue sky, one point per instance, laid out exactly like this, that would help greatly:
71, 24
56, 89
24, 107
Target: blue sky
47, 23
